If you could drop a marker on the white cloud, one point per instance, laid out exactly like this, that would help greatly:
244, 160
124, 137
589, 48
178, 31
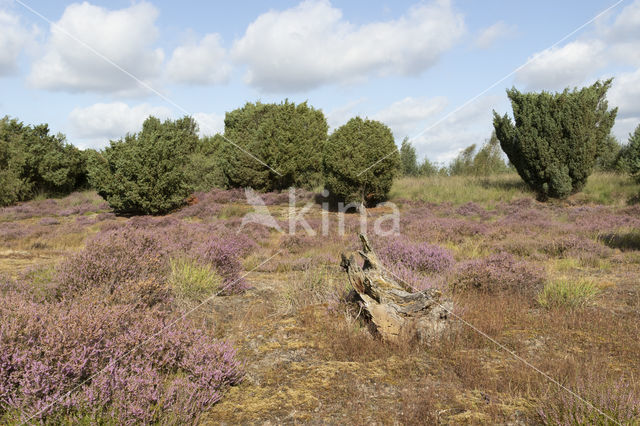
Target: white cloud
123, 36
209, 124
200, 63
490, 35
14, 37
403, 116
469, 125
560, 67
97, 124
312, 44
614, 42
340, 115
623, 127
625, 94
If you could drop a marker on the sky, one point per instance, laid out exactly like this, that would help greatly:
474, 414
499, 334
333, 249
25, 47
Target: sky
433, 71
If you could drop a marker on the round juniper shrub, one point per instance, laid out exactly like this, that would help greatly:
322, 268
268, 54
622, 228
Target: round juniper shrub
360, 162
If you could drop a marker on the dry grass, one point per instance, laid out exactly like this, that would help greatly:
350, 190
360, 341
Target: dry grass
311, 359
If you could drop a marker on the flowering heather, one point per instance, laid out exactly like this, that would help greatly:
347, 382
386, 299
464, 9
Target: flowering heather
471, 209
412, 280
47, 350
297, 243
443, 228
616, 398
573, 245
223, 257
111, 259
74, 204
15, 231
498, 272
419, 257
47, 221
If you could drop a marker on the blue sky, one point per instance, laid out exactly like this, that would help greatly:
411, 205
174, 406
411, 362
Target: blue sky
409, 64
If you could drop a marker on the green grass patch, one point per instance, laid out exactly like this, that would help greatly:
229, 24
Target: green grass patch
461, 189
191, 280
601, 188
567, 293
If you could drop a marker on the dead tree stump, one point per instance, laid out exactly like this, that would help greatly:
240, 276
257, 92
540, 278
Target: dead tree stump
393, 309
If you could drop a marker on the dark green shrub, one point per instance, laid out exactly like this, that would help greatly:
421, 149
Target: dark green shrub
408, 159
556, 137
262, 139
33, 161
145, 173
360, 161
205, 170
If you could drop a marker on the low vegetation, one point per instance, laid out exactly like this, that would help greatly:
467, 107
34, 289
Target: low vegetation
554, 282
193, 313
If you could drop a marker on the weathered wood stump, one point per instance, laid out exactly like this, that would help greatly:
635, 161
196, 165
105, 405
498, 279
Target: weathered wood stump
393, 309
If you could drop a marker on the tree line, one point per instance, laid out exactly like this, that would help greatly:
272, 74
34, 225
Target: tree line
554, 141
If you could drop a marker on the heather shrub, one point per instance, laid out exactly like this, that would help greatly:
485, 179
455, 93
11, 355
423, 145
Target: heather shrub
498, 272
145, 173
615, 397
224, 258
471, 209
412, 279
360, 161
111, 259
573, 245
419, 257
83, 360
568, 293
555, 140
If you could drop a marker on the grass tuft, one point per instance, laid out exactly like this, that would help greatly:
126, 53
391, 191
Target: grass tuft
191, 280
567, 293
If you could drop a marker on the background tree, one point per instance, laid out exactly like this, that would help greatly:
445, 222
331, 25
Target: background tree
608, 154
489, 159
631, 155
462, 164
287, 137
360, 161
555, 140
408, 158
144, 173
428, 168
33, 161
